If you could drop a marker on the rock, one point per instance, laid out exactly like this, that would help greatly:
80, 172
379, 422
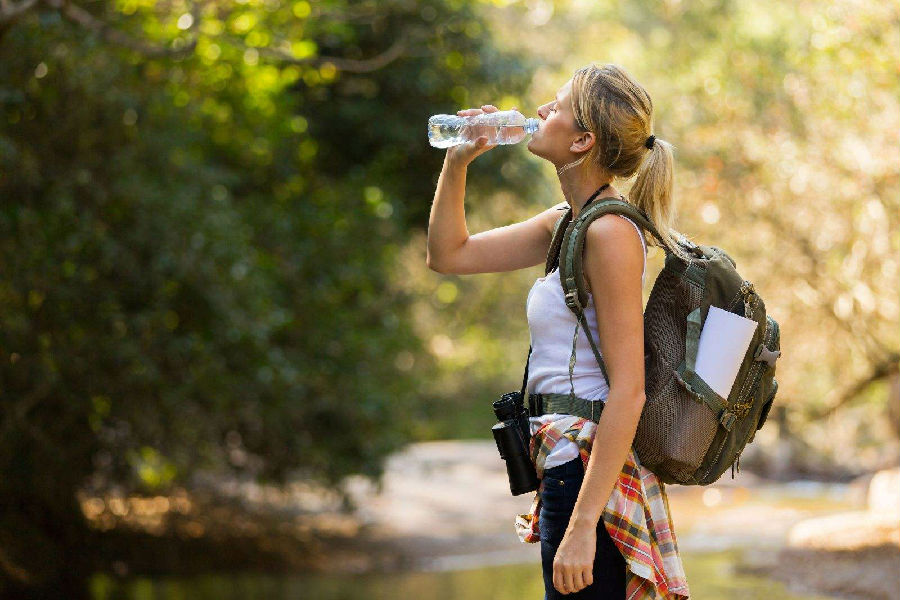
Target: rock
845, 531
879, 524
884, 494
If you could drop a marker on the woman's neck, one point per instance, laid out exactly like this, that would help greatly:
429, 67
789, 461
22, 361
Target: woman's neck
578, 186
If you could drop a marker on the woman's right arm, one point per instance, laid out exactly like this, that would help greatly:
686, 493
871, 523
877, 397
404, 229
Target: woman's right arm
450, 247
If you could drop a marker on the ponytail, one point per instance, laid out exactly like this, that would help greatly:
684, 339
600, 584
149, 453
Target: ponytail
652, 193
619, 111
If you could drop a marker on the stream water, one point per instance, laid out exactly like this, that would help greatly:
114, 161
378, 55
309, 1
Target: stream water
711, 575
470, 551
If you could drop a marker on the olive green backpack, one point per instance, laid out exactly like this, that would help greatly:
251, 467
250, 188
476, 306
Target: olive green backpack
687, 434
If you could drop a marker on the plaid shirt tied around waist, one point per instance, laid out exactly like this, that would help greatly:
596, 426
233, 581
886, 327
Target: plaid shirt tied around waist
636, 516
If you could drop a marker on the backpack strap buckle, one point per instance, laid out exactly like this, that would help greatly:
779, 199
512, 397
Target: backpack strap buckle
535, 405
750, 297
764, 354
572, 300
727, 419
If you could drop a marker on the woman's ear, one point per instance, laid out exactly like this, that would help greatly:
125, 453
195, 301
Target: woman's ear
585, 141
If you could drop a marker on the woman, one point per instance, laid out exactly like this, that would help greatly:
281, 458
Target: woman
596, 129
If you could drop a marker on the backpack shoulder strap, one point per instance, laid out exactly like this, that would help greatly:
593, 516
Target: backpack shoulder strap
556, 241
571, 262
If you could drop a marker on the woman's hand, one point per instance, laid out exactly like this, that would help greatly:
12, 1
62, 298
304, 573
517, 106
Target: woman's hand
463, 154
573, 565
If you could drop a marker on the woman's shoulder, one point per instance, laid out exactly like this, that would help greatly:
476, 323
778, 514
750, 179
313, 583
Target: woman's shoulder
612, 227
637, 228
612, 245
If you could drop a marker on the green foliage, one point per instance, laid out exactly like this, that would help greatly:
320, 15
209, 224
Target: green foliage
196, 251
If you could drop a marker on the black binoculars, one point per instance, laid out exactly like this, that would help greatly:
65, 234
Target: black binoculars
513, 436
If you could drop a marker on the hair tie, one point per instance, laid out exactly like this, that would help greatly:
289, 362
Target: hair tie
649, 143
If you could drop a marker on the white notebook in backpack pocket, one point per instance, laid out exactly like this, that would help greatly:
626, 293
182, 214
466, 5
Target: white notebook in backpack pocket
724, 340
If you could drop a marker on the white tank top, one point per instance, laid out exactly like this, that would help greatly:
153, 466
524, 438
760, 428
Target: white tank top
551, 325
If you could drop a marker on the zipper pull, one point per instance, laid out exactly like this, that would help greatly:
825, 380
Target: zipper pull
749, 297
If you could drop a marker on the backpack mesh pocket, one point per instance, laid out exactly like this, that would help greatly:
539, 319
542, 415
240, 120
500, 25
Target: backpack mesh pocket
690, 425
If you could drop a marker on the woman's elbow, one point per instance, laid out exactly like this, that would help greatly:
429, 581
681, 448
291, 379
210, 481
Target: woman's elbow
432, 264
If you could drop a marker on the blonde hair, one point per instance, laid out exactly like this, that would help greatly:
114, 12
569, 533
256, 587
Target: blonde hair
618, 110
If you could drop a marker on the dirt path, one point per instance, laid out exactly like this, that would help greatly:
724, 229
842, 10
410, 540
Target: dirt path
447, 496
447, 505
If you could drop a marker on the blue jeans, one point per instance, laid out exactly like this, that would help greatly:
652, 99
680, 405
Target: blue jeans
561, 485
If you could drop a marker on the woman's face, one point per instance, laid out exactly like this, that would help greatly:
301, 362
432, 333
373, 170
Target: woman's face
558, 139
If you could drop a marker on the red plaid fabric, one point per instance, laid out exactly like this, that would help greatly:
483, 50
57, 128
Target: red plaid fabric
636, 516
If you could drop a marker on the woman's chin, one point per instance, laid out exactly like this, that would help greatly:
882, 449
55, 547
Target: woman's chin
536, 152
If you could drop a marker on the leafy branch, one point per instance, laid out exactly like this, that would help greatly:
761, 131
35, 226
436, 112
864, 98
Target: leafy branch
10, 12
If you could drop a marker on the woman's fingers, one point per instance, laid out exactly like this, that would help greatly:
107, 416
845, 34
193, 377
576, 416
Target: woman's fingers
568, 579
467, 151
579, 580
562, 579
485, 108
481, 144
558, 581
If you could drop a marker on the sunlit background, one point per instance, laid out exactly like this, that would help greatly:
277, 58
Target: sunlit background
226, 371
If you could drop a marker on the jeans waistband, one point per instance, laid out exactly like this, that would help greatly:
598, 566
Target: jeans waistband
573, 467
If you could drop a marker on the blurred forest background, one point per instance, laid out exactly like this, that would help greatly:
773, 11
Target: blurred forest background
213, 220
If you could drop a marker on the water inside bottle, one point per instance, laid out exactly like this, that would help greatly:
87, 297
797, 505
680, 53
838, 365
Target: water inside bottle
496, 134
448, 130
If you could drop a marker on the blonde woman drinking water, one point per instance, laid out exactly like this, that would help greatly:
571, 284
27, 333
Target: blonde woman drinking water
602, 520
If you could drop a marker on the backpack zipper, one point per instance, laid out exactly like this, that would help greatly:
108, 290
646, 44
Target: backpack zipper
756, 385
756, 374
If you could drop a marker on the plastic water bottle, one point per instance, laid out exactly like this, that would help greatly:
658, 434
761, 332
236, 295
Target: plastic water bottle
500, 127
